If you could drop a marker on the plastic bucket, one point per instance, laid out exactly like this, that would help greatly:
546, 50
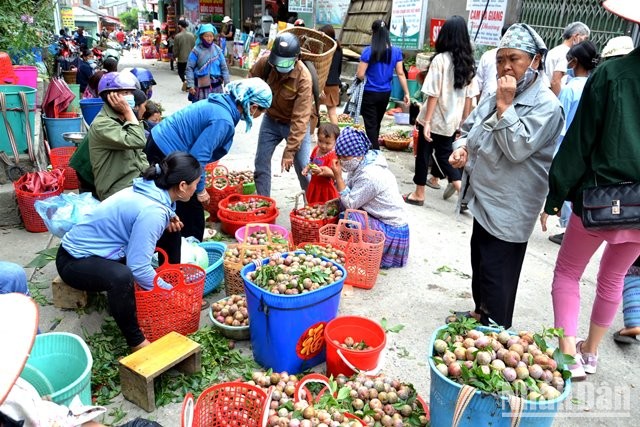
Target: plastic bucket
27, 75
75, 102
396, 88
62, 362
484, 409
287, 331
56, 127
360, 329
17, 117
90, 108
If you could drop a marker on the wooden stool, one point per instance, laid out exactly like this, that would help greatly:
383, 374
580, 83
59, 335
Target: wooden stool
64, 296
139, 369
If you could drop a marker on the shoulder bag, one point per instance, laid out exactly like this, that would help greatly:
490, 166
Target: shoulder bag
611, 207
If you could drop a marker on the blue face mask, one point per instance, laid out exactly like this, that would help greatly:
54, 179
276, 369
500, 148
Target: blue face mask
571, 73
130, 100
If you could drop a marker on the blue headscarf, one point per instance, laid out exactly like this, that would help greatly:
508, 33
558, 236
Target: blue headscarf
205, 28
247, 92
352, 142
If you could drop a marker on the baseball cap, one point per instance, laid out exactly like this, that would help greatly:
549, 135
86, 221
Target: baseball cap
226, 19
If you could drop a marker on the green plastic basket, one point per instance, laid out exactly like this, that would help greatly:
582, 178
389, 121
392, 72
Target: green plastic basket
249, 188
65, 362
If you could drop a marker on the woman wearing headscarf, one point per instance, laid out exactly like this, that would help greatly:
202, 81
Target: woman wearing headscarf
206, 67
372, 187
506, 150
205, 130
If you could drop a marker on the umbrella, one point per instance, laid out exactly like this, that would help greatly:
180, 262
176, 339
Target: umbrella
57, 98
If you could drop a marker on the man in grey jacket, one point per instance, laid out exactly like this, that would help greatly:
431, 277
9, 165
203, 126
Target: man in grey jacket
506, 150
182, 46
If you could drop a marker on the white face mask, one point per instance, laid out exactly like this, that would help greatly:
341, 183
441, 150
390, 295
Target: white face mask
351, 164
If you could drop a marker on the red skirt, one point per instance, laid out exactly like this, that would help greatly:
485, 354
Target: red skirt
321, 190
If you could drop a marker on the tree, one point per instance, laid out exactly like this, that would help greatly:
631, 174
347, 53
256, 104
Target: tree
129, 19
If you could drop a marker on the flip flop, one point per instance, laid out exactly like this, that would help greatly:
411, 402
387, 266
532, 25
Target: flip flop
625, 339
432, 185
409, 201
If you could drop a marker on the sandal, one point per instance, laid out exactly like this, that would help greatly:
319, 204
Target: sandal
409, 201
625, 339
433, 185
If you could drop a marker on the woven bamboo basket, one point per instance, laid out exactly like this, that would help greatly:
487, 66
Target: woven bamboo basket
318, 48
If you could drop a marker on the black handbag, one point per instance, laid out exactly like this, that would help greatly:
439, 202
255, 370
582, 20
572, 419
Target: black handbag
611, 207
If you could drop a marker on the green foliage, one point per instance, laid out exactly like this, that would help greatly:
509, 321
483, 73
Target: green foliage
395, 329
129, 19
25, 24
44, 257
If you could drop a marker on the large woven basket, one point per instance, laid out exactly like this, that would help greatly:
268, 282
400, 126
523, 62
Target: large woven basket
318, 48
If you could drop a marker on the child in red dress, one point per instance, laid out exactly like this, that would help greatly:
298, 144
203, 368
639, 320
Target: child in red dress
322, 187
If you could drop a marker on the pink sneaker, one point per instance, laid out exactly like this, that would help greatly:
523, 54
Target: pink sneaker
577, 370
589, 360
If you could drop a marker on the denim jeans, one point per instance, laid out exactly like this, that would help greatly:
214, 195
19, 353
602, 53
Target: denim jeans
12, 278
271, 134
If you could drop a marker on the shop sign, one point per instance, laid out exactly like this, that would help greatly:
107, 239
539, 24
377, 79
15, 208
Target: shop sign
212, 7
492, 21
436, 26
407, 23
331, 12
66, 16
304, 6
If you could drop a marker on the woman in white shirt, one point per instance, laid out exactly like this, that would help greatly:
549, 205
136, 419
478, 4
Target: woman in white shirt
449, 90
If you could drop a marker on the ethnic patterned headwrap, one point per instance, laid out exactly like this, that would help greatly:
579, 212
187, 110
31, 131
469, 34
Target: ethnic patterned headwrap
352, 142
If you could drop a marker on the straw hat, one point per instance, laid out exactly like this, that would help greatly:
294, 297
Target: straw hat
18, 327
617, 46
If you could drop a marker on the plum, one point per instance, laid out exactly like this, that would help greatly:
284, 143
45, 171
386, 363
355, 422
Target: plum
534, 396
454, 370
482, 342
475, 334
448, 358
503, 337
468, 342
471, 353
511, 359
535, 371
522, 372
518, 348
483, 358
509, 374
498, 364
460, 353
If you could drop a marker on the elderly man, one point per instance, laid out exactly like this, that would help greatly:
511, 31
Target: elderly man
556, 61
506, 150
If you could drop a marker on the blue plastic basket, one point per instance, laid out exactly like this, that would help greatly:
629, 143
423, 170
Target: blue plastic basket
215, 272
484, 409
287, 331
62, 362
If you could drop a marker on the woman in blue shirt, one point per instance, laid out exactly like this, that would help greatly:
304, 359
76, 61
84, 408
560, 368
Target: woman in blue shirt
377, 64
85, 69
207, 67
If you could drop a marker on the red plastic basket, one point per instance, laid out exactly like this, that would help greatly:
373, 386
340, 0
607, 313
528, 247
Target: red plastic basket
218, 194
161, 311
232, 404
230, 226
308, 230
254, 215
60, 159
363, 248
67, 115
26, 201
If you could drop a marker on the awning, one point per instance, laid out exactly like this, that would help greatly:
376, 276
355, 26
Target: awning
110, 20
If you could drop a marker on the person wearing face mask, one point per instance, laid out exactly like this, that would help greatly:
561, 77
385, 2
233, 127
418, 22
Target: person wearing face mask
206, 130
206, 67
506, 147
116, 136
85, 69
555, 67
372, 187
289, 116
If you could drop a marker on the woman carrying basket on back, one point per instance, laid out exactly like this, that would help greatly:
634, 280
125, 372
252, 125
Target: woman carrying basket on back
372, 187
111, 248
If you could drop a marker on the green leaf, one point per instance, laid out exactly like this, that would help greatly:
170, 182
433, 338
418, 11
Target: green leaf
344, 393
540, 342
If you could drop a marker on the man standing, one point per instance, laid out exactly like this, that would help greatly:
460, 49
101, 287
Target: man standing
182, 46
227, 36
290, 112
556, 61
80, 38
121, 37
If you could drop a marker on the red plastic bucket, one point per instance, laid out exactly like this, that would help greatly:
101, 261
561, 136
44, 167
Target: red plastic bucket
360, 329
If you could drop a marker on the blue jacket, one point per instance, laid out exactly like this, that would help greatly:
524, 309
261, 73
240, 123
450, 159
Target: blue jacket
204, 129
197, 60
126, 225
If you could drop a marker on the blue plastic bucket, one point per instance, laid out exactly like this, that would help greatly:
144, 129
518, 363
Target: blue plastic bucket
61, 362
56, 127
17, 117
90, 108
396, 88
484, 409
287, 331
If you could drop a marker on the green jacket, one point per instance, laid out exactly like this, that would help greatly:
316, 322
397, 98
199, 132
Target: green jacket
602, 144
183, 43
115, 151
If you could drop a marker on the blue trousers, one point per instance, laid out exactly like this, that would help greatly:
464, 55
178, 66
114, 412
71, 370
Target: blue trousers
12, 278
271, 134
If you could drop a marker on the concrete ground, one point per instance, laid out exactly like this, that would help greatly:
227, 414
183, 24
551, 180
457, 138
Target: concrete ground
419, 296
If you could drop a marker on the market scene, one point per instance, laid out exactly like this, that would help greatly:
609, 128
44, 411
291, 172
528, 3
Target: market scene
316, 213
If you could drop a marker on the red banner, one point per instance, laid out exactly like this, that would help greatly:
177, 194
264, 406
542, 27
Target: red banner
436, 25
212, 6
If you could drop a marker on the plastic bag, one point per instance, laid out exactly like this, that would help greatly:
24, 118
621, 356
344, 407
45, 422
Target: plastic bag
141, 422
62, 212
192, 253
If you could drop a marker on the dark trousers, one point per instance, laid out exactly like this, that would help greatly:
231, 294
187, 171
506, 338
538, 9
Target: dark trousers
437, 152
496, 266
96, 274
182, 69
374, 105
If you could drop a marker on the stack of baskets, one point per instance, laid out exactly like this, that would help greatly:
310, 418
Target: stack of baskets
232, 219
218, 187
308, 230
318, 48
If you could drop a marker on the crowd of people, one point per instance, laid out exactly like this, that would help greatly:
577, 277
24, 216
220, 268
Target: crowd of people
551, 124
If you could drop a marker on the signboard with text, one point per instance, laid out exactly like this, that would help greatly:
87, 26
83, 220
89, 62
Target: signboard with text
436, 26
66, 16
486, 21
305, 6
214, 7
407, 26
331, 12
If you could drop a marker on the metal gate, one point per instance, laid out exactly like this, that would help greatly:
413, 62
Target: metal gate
550, 17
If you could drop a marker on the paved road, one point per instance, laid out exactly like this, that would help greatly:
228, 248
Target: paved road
419, 296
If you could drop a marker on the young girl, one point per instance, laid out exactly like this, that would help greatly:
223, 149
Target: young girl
322, 188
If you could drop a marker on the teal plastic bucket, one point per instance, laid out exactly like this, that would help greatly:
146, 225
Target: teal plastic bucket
414, 88
484, 409
396, 88
75, 102
17, 118
56, 127
90, 108
61, 362
287, 331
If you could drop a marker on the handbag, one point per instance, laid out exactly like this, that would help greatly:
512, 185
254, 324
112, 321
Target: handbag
611, 207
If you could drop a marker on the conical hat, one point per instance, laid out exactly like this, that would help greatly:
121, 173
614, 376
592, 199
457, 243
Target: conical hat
626, 9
